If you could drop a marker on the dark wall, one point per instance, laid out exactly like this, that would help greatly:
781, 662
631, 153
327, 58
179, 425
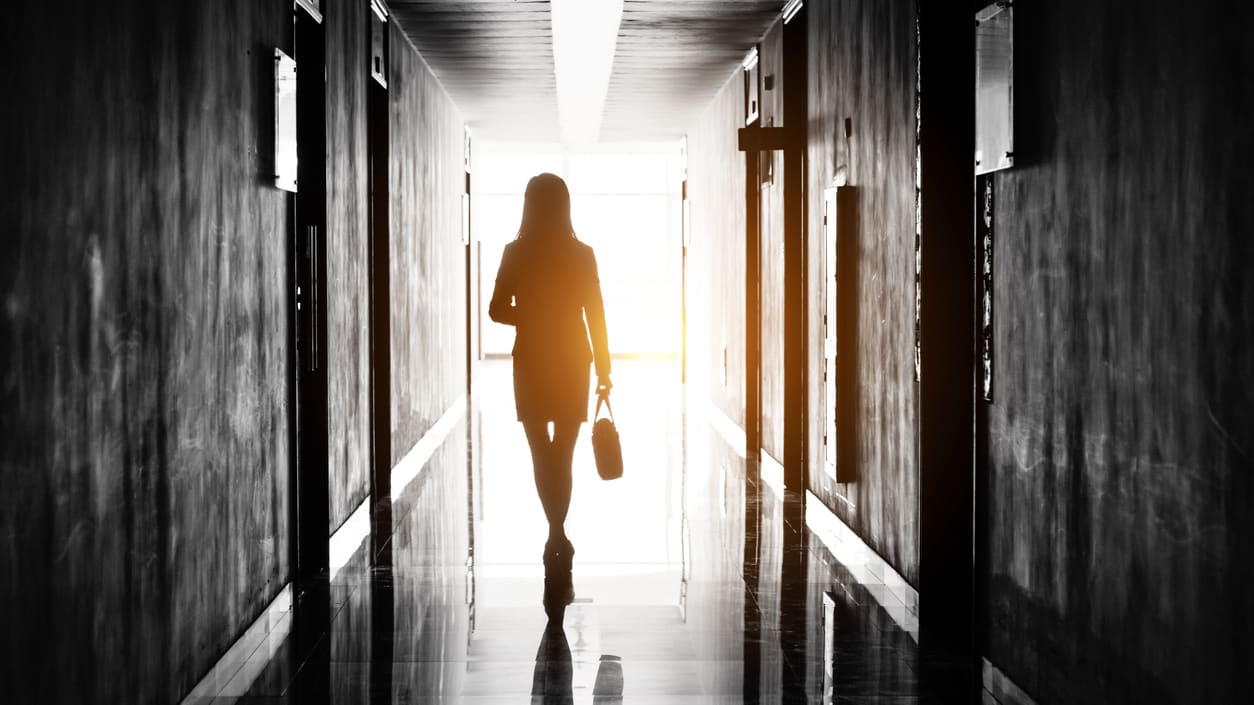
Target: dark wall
862, 67
716, 251
1121, 432
862, 62
428, 258
144, 398
143, 395
348, 319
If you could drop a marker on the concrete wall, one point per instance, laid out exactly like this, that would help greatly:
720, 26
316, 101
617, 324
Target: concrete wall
428, 259
143, 394
862, 67
1122, 427
1121, 491
348, 214
144, 398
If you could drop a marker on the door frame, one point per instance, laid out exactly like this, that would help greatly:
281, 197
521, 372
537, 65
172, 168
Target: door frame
947, 379
310, 515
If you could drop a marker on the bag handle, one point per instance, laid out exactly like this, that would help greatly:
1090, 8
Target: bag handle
603, 398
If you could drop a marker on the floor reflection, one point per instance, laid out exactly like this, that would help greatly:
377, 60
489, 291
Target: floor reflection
552, 681
692, 582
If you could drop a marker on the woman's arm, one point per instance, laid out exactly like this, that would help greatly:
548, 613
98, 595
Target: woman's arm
502, 309
594, 312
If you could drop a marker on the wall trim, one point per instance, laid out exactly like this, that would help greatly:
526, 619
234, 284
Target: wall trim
728, 429
889, 589
406, 471
348, 538
771, 472
896, 596
1000, 688
241, 664
238, 668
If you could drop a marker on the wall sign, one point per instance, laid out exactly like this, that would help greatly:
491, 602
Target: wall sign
994, 88
313, 7
284, 121
378, 43
751, 78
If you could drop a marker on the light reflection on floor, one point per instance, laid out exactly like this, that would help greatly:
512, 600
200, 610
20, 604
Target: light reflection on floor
691, 584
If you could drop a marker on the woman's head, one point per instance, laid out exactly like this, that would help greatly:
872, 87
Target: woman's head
546, 208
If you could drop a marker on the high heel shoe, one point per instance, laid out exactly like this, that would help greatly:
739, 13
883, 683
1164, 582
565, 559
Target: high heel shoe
559, 557
559, 593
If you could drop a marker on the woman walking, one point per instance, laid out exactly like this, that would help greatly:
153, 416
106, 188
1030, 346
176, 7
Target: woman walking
548, 289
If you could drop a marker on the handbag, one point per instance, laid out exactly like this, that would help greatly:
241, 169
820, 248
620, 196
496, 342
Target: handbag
605, 444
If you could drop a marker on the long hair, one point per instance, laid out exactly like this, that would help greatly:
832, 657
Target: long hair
546, 209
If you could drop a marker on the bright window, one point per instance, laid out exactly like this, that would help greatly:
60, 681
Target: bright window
626, 206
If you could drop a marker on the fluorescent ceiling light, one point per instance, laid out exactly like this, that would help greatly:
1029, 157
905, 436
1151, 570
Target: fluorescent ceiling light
585, 34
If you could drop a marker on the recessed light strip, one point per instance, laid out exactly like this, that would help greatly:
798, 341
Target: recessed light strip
750, 60
585, 36
791, 10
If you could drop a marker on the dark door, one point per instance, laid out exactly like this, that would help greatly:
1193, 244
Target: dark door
753, 272
310, 520
378, 146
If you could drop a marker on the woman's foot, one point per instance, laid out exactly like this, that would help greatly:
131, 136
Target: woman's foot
559, 553
559, 592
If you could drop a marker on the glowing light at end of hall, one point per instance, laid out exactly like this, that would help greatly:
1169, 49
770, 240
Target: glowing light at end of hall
585, 35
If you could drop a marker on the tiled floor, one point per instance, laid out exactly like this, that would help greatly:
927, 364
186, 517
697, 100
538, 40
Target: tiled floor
692, 585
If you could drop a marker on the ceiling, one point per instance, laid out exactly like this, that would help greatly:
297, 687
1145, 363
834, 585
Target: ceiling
495, 59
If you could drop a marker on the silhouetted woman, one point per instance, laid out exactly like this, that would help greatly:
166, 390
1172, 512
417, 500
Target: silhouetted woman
547, 288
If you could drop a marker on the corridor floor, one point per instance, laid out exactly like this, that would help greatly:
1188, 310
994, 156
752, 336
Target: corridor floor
692, 584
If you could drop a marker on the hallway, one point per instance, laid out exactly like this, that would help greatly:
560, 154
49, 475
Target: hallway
693, 583
931, 327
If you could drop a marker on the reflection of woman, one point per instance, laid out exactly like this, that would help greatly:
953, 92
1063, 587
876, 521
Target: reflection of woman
552, 681
546, 287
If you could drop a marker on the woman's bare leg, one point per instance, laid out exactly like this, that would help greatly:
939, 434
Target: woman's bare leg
547, 484
565, 434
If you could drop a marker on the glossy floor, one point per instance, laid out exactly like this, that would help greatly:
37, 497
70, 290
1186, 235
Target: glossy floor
692, 583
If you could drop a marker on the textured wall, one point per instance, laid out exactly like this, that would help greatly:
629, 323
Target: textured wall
348, 212
1122, 489
143, 396
716, 251
428, 258
862, 67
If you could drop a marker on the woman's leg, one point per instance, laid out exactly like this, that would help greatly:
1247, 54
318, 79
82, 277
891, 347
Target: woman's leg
552, 497
565, 434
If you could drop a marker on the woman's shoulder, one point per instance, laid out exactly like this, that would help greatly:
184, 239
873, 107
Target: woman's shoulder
584, 250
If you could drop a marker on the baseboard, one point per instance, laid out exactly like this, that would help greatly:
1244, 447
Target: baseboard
238, 668
771, 472
897, 597
999, 689
406, 471
728, 429
348, 539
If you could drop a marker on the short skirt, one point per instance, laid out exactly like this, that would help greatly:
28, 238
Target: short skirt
550, 390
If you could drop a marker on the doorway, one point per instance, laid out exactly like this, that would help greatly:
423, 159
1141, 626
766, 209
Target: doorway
307, 303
